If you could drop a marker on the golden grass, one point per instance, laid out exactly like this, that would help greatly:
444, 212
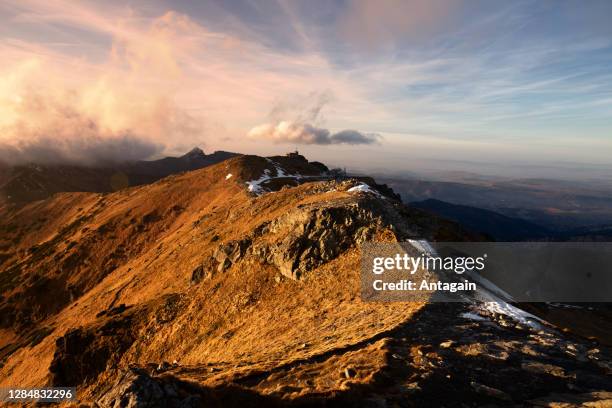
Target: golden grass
247, 320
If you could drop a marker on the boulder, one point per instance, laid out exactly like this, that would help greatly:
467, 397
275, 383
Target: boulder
136, 388
198, 274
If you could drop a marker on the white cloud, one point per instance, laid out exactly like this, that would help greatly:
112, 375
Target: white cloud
304, 133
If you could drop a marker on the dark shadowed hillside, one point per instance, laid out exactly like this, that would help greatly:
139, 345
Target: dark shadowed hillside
26, 183
499, 227
503, 228
553, 204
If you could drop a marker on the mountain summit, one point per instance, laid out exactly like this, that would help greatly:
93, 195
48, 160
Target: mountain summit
238, 285
194, 153
195, 156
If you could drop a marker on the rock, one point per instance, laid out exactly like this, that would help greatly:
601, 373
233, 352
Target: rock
224, 265
169, 309
490, 391
349, 373
598, 399
227, 254
197, 275
447, 344
479, 349
113, 311
312, 235
135, 388
117, 310
541, 368
410, 388
593, 352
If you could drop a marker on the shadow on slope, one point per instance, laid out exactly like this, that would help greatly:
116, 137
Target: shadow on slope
435, 358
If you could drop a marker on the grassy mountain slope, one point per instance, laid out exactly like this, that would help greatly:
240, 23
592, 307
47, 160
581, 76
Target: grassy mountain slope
238, 284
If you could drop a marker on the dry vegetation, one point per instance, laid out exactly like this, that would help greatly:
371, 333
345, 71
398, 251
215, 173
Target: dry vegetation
95, 284
77, 255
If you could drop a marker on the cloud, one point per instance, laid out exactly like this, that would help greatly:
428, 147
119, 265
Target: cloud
304, 133
174, 81
121, 110
305, 125
382, 23
303, 108
354, 137
88, 150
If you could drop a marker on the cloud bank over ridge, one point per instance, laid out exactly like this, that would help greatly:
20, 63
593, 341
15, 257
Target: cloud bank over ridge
122, 111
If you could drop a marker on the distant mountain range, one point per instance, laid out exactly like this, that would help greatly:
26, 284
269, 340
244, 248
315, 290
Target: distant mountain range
26, 183
497, 226
557, 205
501, 228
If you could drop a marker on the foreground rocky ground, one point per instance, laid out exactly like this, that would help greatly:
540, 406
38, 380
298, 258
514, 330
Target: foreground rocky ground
444, 355
238, 285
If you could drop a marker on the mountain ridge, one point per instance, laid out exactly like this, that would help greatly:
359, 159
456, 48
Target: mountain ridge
500, 227
238, 284
22, 184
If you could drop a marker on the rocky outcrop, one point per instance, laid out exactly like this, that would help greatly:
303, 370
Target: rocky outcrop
198, 274
300, 240
141, 388
491, 359
136, 388
227, 254
83, 353
311, 235
305, 239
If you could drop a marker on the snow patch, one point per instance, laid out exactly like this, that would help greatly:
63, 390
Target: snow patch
489, 297
255, 186
363, 188
229, 176
279, 171
519, 315
491, 287
472, 316
423, 246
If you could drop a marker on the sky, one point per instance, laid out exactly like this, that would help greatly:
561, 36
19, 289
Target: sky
385, 85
